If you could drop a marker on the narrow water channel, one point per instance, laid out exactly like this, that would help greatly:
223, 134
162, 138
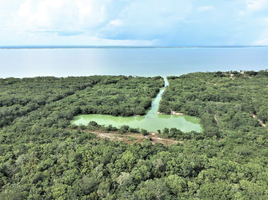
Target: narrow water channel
152, 121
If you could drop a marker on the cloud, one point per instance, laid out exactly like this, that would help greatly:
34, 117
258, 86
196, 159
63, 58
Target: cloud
205, 8
103, 18
116, 22
120, 20
256, 5
61, 15
148, 20
54, 38
263, 35
261, 42
137, 22
254, 21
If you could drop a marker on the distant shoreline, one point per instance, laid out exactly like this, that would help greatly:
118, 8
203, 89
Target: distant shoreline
123, 47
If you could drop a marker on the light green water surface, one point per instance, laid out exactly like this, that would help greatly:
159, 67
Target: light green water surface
152, 121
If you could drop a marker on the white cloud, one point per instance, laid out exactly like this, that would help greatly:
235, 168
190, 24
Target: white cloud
8, 3
116, 22
256, 5
61, 14
111, 19
205, 8
29, 38
145, 19
261, 42
263, 37
7, 8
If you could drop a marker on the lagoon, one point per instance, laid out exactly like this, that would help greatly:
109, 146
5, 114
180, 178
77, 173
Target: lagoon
152, 121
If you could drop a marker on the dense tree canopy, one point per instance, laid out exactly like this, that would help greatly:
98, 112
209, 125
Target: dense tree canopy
225, 102
43, 156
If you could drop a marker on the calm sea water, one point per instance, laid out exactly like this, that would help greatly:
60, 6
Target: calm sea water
128, 61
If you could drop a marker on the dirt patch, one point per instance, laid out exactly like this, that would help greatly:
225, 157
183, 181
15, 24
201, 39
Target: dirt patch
216, 119
261, 122
172, 113
176, 113
218, 122
135, 137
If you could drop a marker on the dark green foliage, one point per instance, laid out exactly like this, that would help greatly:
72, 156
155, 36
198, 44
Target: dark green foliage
223, 100
64, 98
42, 156
144, 132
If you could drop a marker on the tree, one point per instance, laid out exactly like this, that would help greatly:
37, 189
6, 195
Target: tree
144, 132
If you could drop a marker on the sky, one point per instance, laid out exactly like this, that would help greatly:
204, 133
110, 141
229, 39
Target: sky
134, 22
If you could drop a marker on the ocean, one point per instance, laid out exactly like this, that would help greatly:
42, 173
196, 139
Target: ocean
63, 62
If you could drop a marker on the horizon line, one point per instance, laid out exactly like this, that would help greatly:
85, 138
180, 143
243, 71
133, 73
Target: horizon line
118, 46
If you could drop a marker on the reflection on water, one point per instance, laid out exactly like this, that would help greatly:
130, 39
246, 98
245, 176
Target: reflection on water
151, 121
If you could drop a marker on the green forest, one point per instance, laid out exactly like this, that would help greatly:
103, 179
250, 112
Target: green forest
44, 156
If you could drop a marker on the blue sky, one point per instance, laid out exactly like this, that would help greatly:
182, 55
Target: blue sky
134, 22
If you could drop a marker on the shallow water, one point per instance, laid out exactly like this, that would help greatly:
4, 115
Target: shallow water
151, 121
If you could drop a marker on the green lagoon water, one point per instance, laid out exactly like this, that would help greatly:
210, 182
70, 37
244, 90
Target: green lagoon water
151, 121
